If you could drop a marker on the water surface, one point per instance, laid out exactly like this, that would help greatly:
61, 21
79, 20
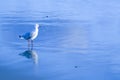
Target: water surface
78, 40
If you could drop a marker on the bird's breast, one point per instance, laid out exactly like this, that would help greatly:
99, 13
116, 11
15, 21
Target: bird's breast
34, 35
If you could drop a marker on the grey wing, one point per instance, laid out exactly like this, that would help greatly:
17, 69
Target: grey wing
27, 35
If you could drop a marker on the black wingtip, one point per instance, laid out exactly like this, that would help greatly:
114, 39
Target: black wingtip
20, 36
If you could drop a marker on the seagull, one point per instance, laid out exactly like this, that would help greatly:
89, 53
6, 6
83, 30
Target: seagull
30, 36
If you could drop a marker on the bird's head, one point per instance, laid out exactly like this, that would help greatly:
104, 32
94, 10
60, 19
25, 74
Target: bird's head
37, 26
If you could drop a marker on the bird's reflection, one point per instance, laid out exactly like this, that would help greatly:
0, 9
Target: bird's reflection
30, 54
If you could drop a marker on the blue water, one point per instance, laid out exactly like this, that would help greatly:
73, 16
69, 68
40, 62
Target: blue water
78, 40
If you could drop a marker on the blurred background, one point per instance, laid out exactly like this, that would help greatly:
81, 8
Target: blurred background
78, 40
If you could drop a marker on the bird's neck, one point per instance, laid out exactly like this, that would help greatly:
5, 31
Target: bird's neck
36, 29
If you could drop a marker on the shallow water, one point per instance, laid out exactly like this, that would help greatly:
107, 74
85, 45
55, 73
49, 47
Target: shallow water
78, 40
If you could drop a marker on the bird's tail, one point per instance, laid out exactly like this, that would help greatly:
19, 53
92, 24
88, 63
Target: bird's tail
20, 37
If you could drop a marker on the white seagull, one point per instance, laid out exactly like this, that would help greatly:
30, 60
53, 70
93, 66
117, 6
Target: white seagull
30, 36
